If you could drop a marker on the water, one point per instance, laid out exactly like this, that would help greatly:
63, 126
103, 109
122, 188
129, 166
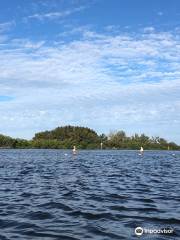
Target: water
101, 195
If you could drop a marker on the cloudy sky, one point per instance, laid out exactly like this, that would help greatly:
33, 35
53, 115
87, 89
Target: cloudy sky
104, 64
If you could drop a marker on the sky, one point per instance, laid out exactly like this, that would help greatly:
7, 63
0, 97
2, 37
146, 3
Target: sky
103, 64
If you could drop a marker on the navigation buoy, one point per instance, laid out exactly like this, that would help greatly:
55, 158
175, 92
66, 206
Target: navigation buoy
74, 150
101, 145
141, 151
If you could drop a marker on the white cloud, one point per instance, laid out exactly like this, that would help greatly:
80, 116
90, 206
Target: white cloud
149, 29
26, 44
5, 26
105, 82
55, 14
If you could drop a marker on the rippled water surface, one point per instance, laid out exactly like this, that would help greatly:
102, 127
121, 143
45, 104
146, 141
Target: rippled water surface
101, 195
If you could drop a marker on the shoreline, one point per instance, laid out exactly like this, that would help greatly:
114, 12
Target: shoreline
95, 149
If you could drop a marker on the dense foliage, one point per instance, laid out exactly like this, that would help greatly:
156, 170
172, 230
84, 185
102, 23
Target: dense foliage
66, 137
85, 138
8, 142
119, 140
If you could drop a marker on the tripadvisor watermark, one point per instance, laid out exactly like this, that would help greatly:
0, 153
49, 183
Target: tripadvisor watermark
140, 231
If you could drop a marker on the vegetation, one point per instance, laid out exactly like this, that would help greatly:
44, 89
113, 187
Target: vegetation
119, 140
85, 138
66, 137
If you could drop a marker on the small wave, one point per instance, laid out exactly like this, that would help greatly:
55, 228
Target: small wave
44, 234
39, 215
97, 230
56, 205
146, 200
92, 216
7, 223
152, 219
25, 172
117, 196
26, 225
2, 237
165, 220
28, 194
119, 208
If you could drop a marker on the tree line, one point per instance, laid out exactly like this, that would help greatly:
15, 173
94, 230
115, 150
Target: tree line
85, 138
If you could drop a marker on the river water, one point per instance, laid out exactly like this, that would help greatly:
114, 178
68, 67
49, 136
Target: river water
101, 195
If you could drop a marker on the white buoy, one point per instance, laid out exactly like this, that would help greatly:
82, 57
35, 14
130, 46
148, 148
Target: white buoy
74, 150
141, 151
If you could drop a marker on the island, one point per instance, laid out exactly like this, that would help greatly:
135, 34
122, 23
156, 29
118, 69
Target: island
66, 137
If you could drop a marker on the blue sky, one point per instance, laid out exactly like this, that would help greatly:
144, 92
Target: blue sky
105, 64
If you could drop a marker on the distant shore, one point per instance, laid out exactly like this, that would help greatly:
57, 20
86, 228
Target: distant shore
94, 149
85, 138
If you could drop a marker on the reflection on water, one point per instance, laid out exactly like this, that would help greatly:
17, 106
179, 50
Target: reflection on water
102, 195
